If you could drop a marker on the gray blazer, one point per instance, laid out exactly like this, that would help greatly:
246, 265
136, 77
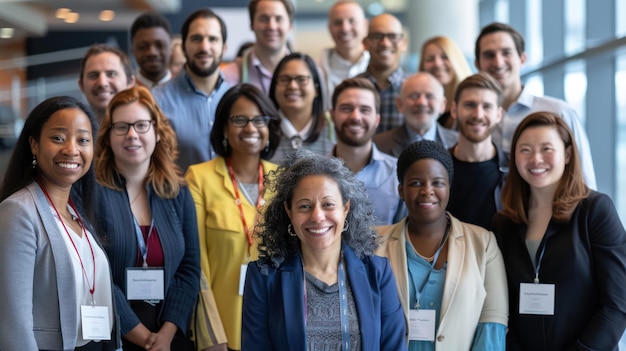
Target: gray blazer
37, 295
393, 141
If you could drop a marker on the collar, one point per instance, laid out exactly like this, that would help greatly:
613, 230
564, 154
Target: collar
149, 83
431, 134
525, 98
330, 57
290, 131
184, 77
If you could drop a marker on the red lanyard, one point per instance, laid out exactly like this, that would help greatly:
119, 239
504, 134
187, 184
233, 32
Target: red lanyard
260, 201
80, 222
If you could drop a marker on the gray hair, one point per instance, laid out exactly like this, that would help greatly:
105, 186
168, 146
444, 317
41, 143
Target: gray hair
276, 245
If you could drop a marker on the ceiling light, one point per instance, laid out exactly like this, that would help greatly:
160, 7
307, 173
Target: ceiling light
62, 12
106, 15
6, 33
72, 17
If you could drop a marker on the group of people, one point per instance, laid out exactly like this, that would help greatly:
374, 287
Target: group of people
279, 203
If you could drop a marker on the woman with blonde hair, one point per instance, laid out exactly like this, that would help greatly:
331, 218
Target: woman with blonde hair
148, 218
443, 58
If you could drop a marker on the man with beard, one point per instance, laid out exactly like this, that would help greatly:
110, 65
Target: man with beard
421, 101
104, 71
190, 100
271, 21
355, 114
386, 43
479, 166
150, 38
500, 53
348, 27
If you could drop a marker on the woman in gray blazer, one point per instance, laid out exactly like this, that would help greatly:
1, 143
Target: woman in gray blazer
55, 281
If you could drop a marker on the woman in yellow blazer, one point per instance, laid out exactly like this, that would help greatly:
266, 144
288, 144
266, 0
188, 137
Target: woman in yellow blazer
228, 191
450, 275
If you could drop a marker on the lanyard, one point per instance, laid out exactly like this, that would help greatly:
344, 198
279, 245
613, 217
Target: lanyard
92, 289
343, 304
260, 201
143, 247
543, 250
418, 291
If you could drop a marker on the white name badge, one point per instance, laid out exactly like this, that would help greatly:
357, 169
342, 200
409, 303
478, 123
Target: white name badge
145, 283
242, 278
536, 299
422, 325
95, 322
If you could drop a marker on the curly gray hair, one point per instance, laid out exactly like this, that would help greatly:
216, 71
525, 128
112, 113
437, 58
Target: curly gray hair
276, 244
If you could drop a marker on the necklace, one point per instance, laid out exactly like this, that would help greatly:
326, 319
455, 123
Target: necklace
136, 196
443, 242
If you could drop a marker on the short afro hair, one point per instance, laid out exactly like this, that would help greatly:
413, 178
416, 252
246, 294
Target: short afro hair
424, 149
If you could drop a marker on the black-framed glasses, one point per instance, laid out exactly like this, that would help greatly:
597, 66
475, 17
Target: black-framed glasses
122, 128
257, 121
393, 37
286, 80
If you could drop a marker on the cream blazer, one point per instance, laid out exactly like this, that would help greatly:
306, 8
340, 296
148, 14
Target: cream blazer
475, 290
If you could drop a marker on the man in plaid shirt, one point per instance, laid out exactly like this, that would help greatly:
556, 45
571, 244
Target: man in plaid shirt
386, 43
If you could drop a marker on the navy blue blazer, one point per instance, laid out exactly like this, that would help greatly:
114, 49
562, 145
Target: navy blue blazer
175, 221
273, 305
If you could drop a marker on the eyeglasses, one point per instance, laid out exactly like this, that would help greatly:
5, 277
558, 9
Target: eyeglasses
393, 37
286, 80
122, 128
242, 121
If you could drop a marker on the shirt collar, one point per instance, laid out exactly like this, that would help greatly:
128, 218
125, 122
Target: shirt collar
149, 83
290, 131
431, 134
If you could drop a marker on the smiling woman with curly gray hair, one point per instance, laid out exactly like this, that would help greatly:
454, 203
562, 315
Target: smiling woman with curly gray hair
317, 282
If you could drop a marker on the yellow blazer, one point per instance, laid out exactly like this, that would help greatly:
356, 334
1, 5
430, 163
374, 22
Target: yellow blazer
475, 290
223, 242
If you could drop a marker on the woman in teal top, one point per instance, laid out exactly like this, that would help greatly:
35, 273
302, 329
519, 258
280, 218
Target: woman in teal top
449, 274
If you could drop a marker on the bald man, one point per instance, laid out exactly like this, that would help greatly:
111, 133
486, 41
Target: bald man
386, 43
421, 101
348, 27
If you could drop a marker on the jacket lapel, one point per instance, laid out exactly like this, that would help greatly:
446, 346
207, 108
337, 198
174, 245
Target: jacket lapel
360, 286
62, 266
456, 256
292, 287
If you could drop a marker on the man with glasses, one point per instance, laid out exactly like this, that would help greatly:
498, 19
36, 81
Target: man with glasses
421, 101
386, 43
271, 21
189, 101
355, 115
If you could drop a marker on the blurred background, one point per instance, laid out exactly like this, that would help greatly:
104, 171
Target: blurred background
576, 51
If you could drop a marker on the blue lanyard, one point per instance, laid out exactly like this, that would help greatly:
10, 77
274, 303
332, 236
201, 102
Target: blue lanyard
343, 304
418, 291
143, 248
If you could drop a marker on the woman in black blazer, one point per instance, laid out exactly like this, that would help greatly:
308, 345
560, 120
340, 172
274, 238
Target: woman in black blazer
563, 244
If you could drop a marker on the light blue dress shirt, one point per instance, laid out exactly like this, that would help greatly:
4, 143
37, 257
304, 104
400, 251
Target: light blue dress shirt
192, 113
489, 336
381, 182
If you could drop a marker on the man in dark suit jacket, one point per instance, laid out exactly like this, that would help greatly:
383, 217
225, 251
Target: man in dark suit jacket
421, 101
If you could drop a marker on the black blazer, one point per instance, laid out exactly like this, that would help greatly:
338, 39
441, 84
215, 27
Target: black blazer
586, 260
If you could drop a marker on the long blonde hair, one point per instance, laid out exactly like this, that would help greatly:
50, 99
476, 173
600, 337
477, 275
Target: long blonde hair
459, 64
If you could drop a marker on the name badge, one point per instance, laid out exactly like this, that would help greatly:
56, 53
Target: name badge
95, 322
145, 283
242, 278
536, 299
422, 325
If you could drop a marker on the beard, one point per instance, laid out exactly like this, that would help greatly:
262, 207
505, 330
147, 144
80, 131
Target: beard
354, 141
200, 72
464, 129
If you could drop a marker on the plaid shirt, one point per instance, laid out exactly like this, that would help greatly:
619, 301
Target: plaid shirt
390, 117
